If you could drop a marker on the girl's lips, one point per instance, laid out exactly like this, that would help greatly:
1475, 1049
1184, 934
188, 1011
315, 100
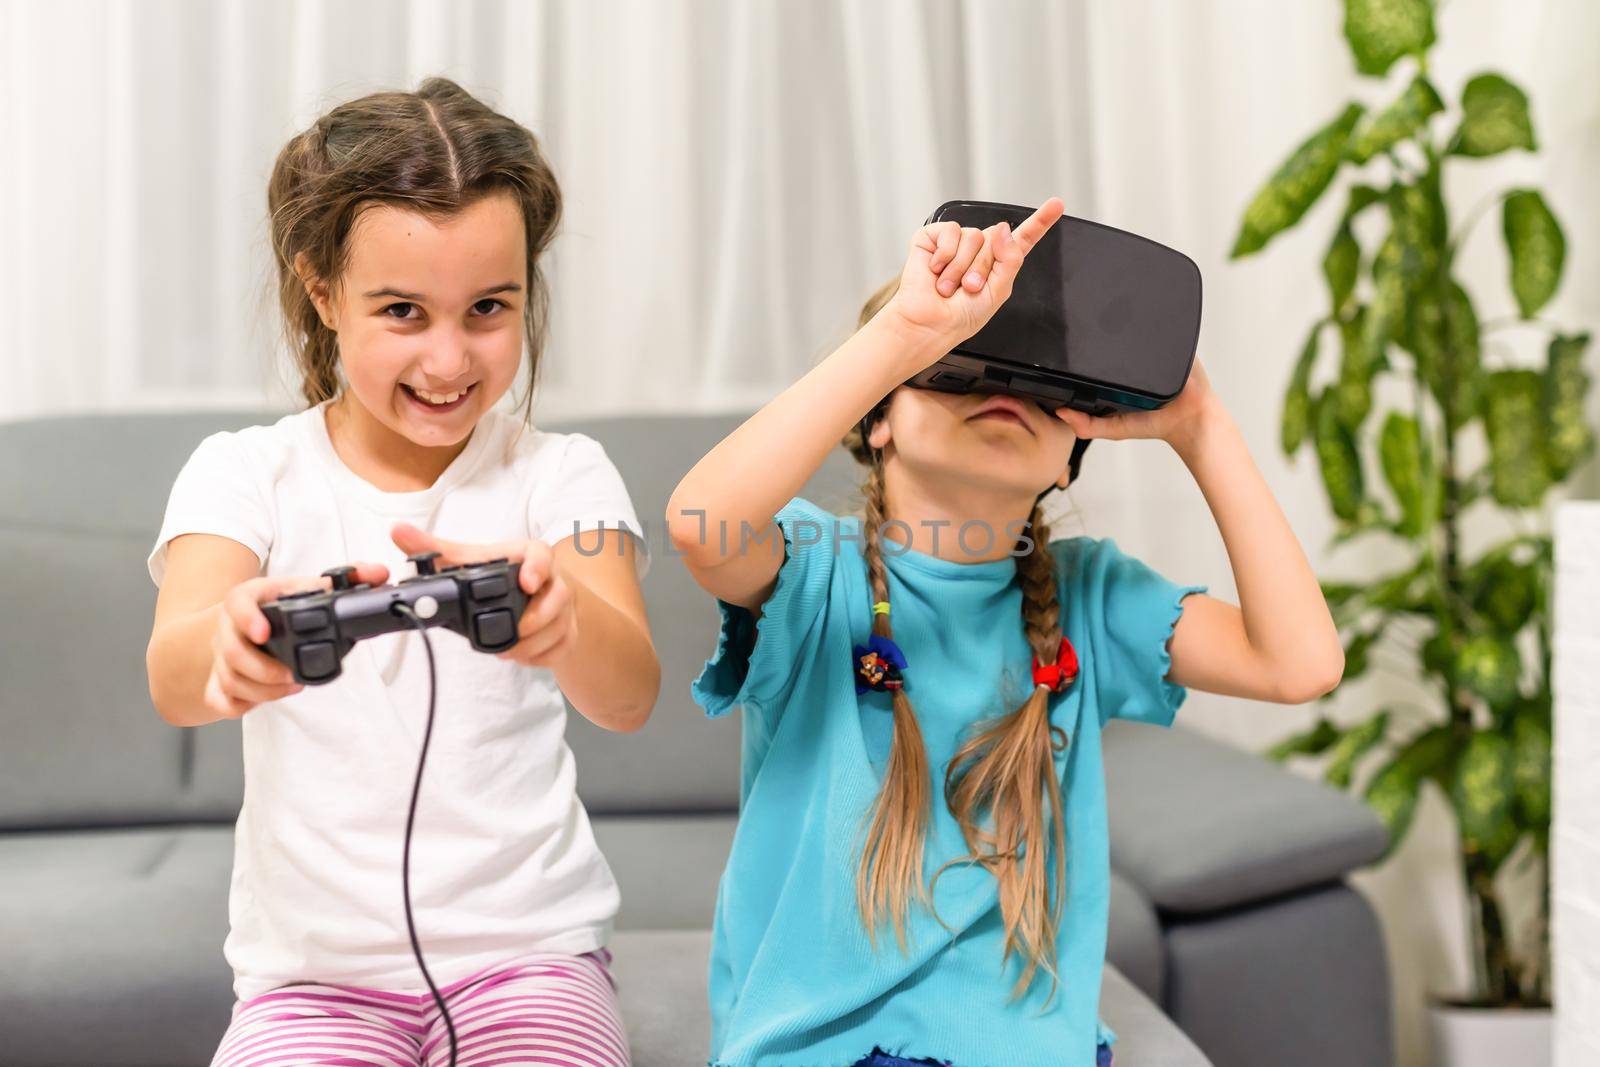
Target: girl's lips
436, 409
1008, 416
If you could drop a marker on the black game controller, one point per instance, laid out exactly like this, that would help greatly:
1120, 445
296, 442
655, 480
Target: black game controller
312, 631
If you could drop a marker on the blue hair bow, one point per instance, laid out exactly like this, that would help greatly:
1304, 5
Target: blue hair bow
879, 664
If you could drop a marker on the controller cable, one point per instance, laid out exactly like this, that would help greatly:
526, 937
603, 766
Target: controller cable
404, 610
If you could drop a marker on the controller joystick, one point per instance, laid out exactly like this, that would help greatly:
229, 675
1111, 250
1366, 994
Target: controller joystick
341, 577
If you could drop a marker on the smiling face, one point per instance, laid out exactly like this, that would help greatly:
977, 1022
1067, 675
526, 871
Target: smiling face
429, 315
988, 443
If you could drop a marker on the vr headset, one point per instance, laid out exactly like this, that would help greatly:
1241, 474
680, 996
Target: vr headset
1099, 319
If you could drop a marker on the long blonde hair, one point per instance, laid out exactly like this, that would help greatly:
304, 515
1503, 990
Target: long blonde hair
1005, 768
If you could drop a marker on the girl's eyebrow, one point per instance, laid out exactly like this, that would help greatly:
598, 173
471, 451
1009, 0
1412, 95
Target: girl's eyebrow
503, 287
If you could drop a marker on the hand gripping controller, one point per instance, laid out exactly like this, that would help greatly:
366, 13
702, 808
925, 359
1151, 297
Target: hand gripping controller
312, 631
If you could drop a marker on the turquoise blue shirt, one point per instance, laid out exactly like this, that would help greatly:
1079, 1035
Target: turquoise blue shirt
794, 981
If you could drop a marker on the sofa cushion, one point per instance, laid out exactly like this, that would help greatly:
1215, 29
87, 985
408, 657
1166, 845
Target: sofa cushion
1302, 979
661, 981
113, 946
1145, 1037
668, 867
81, 498
1133, 941
1199, 826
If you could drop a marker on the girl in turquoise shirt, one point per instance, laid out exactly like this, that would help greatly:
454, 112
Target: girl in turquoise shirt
920, 873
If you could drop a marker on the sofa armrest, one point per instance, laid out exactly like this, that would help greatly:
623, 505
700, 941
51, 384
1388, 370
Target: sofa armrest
1145, 1037
1200, 826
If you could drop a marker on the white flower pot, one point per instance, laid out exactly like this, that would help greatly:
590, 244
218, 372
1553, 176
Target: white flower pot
1490, 1037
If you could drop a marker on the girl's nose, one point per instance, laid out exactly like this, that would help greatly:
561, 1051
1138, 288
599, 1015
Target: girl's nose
447, 358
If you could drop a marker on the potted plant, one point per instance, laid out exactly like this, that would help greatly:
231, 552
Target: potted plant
1478, 620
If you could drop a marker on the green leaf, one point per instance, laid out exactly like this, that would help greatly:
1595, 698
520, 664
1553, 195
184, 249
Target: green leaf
1355, 653
1409, 113
1392, 792
1503, 591
1386, 316
1568, 437
1306, 743
1297, 401
1530, 770
1396, 592
1537, 250
1348, 750
1337, 594
1381, 31
1513, 421
1369, 517
1296, 185
1494, 118
1340, 265
1433, 753
1482, 792
1443, 335
1461, 373
1405, 269
1341, 463
1358, 361
1488, 665
1418, 216
1401, 452
1361, 198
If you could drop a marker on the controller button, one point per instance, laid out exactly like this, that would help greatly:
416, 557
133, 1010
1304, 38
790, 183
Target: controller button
495, 629
317, 660
308, 619
341, 576
489, 588
426, 607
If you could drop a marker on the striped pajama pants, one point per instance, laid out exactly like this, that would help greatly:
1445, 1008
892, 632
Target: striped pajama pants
546, 1008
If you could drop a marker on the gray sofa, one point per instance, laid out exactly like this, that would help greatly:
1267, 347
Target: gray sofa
1232, 930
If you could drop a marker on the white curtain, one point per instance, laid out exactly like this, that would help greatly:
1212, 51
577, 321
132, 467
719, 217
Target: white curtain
738, 175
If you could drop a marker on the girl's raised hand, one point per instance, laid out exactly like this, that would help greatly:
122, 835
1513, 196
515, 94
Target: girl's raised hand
1176, 423
956, 277
549, 625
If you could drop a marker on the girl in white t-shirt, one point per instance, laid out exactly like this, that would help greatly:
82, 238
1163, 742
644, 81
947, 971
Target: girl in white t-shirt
407, 229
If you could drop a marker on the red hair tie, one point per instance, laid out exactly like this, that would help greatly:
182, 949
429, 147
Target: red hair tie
1058, 675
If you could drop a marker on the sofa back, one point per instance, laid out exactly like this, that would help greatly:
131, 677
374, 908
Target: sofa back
81, 499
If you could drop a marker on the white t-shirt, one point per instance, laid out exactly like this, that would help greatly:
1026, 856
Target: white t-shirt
503, 860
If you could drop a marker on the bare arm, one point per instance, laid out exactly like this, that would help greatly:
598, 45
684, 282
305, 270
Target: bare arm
610, 671
201, 568
202, 662
1280, 643
742, 483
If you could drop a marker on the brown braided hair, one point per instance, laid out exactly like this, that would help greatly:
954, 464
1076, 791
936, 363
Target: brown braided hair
1005, 769
435, 151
